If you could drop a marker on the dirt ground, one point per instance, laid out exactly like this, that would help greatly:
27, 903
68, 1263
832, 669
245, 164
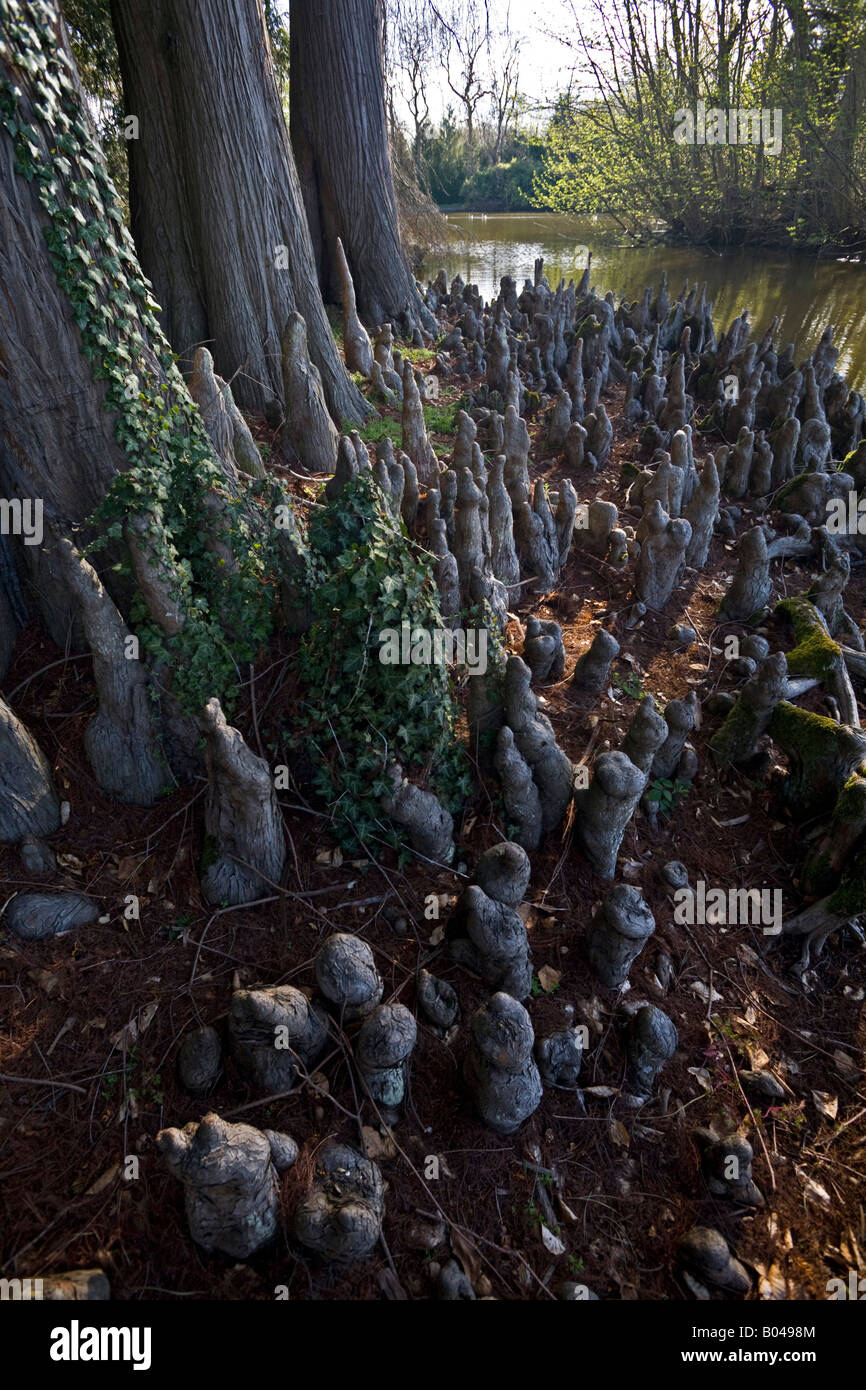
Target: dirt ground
90, 1024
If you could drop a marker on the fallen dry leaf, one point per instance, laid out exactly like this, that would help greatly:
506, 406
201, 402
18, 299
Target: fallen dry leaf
133, 1030
47, 982
850, 1251
814, 1191
127, 1035
758, 1058
565, 1209
619, 1134
146, 1015
845, 1065
700, 989
825, 1104
702, 1076
772, 1283
332, 857
128, 1108
466, 1254
548, 978
103, 1181
378, 1145
129, 866
551, 1242
71, 862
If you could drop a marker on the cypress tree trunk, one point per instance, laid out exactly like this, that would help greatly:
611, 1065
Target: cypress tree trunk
340, 139
56, 439
58, 451
217, 214
96, 418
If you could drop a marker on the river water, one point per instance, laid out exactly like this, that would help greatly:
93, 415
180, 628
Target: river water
805, 293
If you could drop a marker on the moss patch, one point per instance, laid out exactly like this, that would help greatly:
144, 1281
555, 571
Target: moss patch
849, 899
823, 755
736, 738
815, 653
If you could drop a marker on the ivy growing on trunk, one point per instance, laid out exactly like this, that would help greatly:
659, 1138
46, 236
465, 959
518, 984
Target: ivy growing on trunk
226, 608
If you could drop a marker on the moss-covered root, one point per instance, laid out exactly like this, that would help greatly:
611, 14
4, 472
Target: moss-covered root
814, 652
816, 655
822, 756
820, 919
737, 739
827, 593
823, 867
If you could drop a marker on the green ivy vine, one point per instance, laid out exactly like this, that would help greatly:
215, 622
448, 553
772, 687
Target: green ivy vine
360, 714
357, 568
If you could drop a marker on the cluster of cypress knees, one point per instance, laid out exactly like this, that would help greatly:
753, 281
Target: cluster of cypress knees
792, 445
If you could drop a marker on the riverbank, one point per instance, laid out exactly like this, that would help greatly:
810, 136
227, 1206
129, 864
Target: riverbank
806, 294
852, 247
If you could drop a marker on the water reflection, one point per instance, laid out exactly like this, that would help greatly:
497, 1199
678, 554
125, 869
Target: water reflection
807, 295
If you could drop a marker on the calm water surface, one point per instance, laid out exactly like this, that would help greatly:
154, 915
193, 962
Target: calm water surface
806, 294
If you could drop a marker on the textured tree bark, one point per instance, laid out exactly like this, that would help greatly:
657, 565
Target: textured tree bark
29, 804
340, 139
60, 447
57, 444
56, 440
217, 213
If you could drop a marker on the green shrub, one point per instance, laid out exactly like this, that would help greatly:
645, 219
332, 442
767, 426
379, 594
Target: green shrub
373, 431
507, 185
359, 714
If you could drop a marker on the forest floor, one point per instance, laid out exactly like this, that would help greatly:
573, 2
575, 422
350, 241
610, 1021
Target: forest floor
92, 1022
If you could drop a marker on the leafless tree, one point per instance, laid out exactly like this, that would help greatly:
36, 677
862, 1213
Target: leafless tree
504, 87
414, 46
465, 25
